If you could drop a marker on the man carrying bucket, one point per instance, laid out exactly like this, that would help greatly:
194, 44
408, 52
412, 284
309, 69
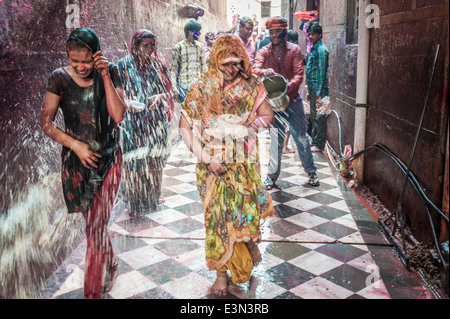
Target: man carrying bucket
283, 59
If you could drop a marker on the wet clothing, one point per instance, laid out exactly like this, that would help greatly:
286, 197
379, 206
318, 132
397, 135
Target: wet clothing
233, 203
86, 119
145, 139
293, 118
99, 250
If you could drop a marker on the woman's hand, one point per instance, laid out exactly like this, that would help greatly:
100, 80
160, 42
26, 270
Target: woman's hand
216, 167
155, 100
87, 157
101, 63
253, 127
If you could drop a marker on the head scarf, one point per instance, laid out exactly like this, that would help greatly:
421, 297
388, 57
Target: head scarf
228, 48
207, 92
276, 22
158, 63
135, 41
86, 37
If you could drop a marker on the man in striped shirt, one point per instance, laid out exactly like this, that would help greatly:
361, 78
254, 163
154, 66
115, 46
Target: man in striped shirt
317, 81
188, 59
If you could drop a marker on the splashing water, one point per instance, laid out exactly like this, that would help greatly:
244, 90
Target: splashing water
28, 235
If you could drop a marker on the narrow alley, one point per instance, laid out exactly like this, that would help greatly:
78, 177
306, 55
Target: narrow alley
364, 94
322, 244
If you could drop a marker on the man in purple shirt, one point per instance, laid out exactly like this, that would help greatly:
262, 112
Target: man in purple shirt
244, 33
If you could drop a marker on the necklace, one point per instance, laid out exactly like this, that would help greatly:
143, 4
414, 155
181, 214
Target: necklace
278, 54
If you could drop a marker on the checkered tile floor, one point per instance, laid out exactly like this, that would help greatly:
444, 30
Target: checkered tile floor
322, 244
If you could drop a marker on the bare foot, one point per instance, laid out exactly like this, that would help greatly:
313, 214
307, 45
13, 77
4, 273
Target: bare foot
161, 200
254, 253
288, 150
110, 277
220, 286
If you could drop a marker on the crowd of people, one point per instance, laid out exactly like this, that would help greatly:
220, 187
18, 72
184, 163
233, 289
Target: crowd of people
117, 119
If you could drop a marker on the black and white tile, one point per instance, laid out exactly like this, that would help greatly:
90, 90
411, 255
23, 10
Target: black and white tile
312, 249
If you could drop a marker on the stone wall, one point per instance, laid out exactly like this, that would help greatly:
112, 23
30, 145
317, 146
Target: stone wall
35, 232
402, 50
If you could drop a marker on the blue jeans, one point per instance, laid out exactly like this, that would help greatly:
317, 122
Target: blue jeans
294, 117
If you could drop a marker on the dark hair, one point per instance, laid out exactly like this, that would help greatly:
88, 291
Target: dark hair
315, 27
245, 20
192, 26
210, 35
292, 36
145, 36
83, 38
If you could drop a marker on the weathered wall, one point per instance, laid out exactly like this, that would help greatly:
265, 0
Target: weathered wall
341, 73
33, 223
401, 57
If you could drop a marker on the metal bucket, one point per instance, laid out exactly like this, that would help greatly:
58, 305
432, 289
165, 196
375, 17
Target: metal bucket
276, 86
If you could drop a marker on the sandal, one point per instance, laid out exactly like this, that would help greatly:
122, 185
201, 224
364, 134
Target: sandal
269, 184
313, 179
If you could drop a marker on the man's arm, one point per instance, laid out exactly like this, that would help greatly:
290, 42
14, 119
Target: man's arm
322, 67
298, 71
258, 66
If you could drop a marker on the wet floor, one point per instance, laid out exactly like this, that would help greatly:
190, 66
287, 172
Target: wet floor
321, 244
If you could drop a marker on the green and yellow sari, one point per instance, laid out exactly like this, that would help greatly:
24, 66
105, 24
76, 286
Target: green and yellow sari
236, 202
